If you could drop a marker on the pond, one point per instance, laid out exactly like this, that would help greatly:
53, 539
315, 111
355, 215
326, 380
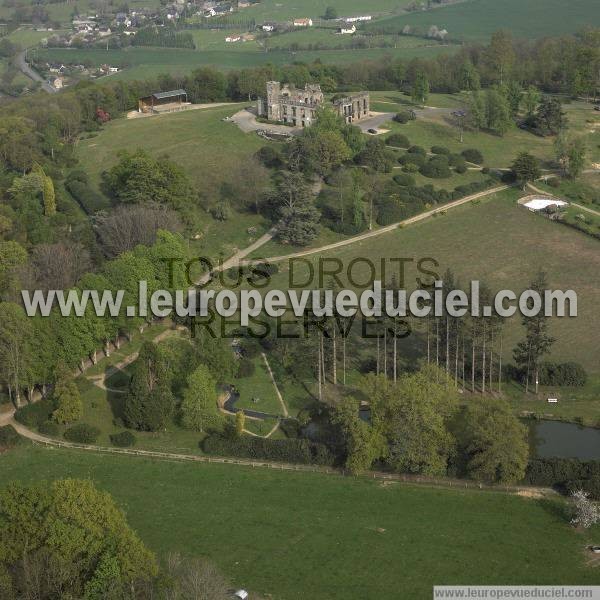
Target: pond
565, 440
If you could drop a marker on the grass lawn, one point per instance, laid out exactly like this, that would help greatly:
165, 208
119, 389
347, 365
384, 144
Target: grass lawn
260, 387
145, 63
497, 242
476, 20
205, 146
304, 535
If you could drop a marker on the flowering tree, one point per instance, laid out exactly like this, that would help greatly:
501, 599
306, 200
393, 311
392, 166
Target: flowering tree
585, 512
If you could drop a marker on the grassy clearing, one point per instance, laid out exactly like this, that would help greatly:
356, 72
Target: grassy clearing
303, 535
476, 20
498, 242
258, 387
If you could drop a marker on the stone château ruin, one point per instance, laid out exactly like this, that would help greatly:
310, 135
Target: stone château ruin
287, 104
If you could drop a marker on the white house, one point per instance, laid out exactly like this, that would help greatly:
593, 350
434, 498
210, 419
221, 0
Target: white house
267, 27
233, 38
347, 30
357, 19
303, 23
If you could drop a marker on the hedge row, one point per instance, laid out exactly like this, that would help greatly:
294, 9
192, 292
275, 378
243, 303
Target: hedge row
82, 433
34, 415
9, 438
300, 451
565, 474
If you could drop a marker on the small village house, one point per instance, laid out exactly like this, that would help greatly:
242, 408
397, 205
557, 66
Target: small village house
303, 23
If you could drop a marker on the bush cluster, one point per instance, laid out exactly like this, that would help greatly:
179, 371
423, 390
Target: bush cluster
568, 373
299, 451
125, 439
473, 155
82, 433
440, 150
404, 116
565, 474
50, 428
9, 438
412, 158
34, 415
404, 179
78, 185
397, 140
436, 168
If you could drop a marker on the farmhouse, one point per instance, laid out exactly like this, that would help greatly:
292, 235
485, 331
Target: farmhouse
347, 30
298, 106
358, 19
303, 23
163, 102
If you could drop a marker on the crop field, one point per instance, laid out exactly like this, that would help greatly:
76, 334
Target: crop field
303, 535
145, 63
476, 20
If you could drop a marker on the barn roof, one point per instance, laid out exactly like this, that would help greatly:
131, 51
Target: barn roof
171, 94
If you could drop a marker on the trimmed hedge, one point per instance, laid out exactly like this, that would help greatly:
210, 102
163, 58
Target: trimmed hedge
413, 159
440, 150
473, 155
82, 433
9, 438
404, 116
565, 474
397, 140
461, 169
417, 150
125, 439
456, 160
299, 451
436, 168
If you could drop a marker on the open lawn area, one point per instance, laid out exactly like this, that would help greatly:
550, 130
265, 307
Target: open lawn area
499, 243
304, 535
146, 63
476, 20
208, 148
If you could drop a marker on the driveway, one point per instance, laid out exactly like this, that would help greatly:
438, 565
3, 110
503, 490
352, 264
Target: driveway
374, 122
245, 119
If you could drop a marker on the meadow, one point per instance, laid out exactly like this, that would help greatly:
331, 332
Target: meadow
145, 63
497, 242
303, 535
476, 20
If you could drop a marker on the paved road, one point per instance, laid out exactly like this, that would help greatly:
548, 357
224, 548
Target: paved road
22, 65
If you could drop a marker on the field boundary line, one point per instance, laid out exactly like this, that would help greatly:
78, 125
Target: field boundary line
385, 478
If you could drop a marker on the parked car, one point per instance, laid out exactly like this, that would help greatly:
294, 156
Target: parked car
373, 131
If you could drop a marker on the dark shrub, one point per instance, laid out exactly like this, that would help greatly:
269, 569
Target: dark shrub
440, 150
33, 415
411, 168
417, 150
90, 200
291, 428
270, 157
415, 159
461, 169
50, 428
246, 368
554, 182
456, 160
404, 179
485, 170
559, 374
565, 474
300, 451
436, 169
390, 211
404, 116
125, 439
397, 140
82, 433
473, 156
9, 438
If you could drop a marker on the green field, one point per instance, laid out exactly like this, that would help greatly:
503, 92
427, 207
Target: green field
476, 20
304, 535
145, 63
284, 10
504, 245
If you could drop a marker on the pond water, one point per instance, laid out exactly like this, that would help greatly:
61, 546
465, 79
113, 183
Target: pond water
565, 440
